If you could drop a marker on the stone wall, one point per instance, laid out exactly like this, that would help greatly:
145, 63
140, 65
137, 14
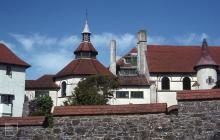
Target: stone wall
195, 120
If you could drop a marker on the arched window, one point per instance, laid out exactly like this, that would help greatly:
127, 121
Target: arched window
63, 89
165, 83
186, 83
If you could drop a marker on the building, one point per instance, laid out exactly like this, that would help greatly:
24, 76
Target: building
12, 83
147, 74
62, 84
172, 68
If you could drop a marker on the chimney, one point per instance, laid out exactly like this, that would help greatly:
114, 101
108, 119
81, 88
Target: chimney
113, 56
141, 58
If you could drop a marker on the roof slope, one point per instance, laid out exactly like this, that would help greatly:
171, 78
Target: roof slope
44, 82
83, 67
86, 47
139, 80
179, 59
8, 57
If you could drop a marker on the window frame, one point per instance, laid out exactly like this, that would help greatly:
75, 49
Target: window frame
137, 97
8, 70
63, 92
186, 81
126, 96
165, 83
44, 93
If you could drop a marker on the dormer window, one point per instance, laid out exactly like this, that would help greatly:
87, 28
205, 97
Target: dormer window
8, 70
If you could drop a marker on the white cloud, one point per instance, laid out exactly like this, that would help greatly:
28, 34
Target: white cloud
49, 54
191, 39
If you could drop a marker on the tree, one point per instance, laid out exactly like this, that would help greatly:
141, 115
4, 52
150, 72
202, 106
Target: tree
94, 90
217, 84
41, 106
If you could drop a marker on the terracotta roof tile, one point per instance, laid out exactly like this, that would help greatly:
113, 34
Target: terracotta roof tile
139, 80
44, 82
199, 94
87, 47
8, 57
83, 67
179, 59
109, 109
23, 121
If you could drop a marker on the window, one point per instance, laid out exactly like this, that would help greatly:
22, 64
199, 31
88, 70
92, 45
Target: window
7, 99
165, 83
122, 94
186, 83
210, 80
128, 60
63, 89
137, 94
40, 93
8, 70
128, 72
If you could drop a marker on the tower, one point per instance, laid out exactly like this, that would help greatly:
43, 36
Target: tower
206, 68
85, 49
113, 57
142, 65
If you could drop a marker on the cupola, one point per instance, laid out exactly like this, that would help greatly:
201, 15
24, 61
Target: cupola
86, 49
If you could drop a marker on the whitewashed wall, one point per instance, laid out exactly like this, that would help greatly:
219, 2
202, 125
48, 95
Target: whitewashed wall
120, 101
30, 94
71, 84
203, 75
13, 85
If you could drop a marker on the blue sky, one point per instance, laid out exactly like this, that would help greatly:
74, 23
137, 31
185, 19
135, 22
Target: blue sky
45, 32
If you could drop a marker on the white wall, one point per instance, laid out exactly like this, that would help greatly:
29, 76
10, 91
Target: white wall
120, 101
176, 81
167, 97
52, 93
203, 75
71, 84
13, 85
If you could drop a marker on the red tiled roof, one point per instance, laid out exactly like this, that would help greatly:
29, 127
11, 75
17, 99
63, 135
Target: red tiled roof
179, 59
87, 47
109, 109
199, 94
83, 67
44, 82
23, 121
139, 80
8, 57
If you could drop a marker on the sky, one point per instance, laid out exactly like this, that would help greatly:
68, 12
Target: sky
45, 33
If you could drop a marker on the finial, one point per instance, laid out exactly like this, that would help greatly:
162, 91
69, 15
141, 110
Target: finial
86, 15
205, 47
86, 27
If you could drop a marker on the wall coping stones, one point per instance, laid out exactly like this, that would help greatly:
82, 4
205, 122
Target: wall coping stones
23, 121
211, 94
110, 109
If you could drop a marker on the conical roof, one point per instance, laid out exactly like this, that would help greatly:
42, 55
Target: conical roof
205, 58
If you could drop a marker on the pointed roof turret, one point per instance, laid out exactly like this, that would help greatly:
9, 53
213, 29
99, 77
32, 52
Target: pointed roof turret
86, 49
205, 58
86, 28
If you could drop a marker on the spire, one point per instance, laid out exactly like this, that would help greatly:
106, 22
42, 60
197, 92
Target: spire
205, 58
86, 33
205, 50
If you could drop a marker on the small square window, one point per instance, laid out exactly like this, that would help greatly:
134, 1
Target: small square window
122, 94
8, 70
137, 94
